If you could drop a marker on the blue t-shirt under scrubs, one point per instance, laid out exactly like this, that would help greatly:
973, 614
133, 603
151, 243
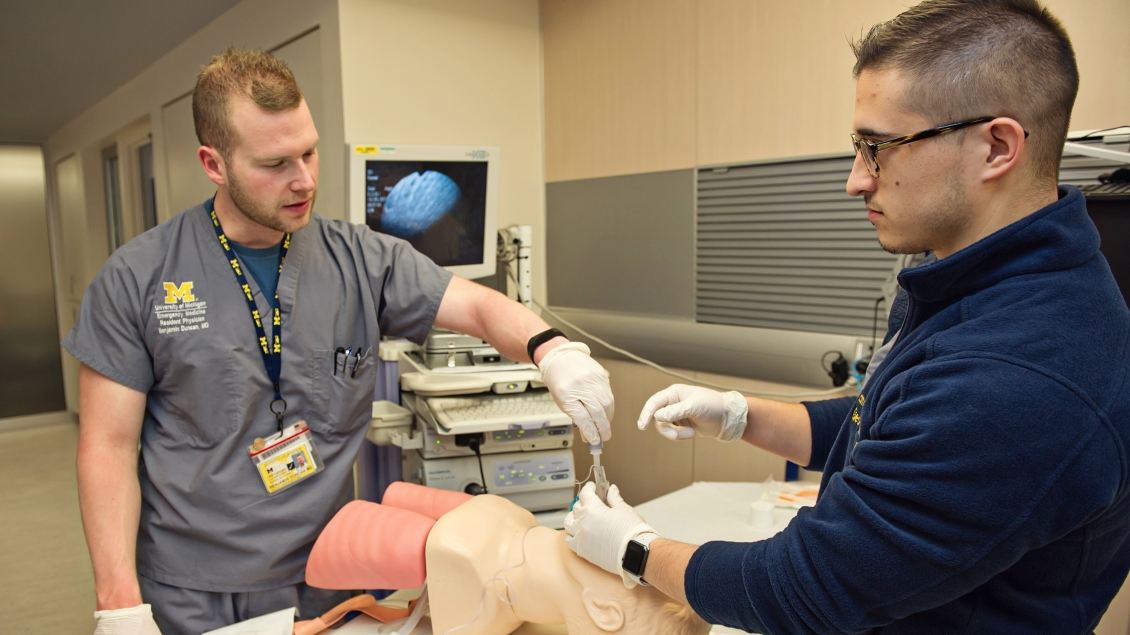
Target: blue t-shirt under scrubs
263, 265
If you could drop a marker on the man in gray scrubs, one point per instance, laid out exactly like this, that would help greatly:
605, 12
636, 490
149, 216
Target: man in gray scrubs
184, 351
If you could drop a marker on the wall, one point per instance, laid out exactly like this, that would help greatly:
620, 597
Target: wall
73, 152
451, 72
637, 86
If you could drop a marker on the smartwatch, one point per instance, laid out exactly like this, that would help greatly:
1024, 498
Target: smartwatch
539, 339
635, 556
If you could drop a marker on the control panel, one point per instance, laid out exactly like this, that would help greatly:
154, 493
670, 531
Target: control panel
532, 470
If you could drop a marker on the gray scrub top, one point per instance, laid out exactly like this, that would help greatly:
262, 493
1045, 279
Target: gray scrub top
165, 316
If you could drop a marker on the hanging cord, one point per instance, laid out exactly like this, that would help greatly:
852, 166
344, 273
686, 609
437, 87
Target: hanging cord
510, 590
475, 447
875, 324
588, 477
506, 256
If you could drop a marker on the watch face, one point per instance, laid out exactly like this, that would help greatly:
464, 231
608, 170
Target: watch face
634, 558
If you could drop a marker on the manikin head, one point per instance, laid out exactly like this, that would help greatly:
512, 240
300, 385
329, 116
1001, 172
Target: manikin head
546, 582
951, 61
257, 138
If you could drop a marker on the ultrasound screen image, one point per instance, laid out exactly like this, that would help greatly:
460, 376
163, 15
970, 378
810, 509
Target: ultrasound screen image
438, 206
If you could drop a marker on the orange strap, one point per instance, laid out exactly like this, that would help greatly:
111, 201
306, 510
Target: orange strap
364, 603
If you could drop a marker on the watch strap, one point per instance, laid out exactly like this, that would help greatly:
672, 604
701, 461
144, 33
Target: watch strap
539, 339
644, 540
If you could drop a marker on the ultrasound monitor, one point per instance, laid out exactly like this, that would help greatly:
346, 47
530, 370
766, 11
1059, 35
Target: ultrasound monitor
441, 199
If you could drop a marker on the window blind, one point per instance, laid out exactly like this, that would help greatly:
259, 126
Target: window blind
781, 245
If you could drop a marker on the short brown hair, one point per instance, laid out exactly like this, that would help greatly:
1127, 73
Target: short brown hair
250, 74
975, 58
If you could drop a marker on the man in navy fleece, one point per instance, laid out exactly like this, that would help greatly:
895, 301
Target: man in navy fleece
979, 483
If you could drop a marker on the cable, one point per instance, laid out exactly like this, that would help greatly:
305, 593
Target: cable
474, 445
838, 372
587, 477
667, 371
824, 361
875, 324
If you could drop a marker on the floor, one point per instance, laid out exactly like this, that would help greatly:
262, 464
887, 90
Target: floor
45, 578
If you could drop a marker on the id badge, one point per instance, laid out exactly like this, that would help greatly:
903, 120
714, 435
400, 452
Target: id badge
285, 458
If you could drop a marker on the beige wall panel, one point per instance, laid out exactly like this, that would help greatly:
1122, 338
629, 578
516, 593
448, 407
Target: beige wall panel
735, 462
1102, 50
619, 86
739, 461
644, 464
774, 78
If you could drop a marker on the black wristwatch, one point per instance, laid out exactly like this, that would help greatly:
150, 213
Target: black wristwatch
635, 556
539, 339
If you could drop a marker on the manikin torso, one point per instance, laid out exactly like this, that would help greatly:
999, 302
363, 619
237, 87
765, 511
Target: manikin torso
471, 545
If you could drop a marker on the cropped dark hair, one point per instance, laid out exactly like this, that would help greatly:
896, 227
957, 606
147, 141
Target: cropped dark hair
974, 58
239, 73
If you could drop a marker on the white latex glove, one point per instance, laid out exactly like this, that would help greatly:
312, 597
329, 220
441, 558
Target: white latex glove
681, 411
600, 533
580, 387
137, 620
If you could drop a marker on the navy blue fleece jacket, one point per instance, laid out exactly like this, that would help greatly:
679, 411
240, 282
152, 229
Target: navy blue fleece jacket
979, 483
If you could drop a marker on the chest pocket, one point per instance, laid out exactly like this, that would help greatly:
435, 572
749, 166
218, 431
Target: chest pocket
341, 398
192, 409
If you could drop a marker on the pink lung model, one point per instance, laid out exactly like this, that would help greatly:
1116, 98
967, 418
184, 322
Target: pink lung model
380, 546
427, 501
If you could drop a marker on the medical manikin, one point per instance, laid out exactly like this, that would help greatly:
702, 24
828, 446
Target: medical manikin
488, 565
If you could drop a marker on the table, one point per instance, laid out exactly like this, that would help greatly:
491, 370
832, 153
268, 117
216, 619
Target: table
705, 511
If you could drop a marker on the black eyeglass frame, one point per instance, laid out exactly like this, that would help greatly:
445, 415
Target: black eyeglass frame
867, 149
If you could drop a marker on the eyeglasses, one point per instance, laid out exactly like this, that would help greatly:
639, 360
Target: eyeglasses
870, 151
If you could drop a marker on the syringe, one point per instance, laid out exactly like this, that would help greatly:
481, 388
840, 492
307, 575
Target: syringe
598, 471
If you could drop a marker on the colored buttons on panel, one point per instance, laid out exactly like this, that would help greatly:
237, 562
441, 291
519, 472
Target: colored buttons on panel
522, 435
530, 472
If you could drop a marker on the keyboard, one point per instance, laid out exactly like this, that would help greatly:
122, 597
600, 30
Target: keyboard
1105, 190
529, 410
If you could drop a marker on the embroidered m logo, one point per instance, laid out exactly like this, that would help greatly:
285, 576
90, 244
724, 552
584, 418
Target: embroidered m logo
183, 293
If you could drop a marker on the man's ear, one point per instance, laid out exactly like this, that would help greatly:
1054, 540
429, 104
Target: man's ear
1006, 143
608, 615
213, 163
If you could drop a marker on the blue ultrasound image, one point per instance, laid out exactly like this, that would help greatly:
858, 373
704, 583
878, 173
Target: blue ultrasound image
437, 206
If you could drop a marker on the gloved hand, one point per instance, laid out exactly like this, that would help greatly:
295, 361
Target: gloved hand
137, 620
580, 387
600, 533
681, 411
